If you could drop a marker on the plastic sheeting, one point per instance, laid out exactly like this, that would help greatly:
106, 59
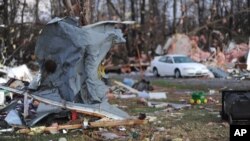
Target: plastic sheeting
69, 56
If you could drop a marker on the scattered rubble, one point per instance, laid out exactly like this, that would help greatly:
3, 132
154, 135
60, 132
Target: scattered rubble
67, 86
219, 62
21, 73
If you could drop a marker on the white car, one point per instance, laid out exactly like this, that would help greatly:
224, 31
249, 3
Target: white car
177, 66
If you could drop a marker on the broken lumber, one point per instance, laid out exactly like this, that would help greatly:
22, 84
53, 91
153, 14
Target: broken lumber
81, 108
42, 129
108, 123
112, 123
26, 106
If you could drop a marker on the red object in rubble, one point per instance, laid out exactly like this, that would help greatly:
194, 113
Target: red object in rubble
74, 115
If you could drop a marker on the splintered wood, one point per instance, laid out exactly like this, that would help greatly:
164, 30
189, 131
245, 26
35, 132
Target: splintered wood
112, 123
106, 123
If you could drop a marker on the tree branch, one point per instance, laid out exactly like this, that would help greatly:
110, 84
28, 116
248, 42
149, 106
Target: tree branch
113, 7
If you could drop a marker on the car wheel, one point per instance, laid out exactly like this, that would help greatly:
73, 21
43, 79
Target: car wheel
177, 73
155, 72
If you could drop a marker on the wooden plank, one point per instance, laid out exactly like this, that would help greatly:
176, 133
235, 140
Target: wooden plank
112, 123
108, 123
42, 129
26, 105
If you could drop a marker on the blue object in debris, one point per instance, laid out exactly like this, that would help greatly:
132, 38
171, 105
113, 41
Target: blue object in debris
218, 73
128, 81
13, 118
143, 94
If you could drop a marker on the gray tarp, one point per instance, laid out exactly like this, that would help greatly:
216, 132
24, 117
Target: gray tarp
69, 57
77, 53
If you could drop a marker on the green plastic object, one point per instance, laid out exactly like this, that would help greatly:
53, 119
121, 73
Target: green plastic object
200, 95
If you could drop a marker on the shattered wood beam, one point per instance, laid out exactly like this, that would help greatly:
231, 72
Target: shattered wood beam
127, 87
109, 123
26, 106
112, 123
67, 105
42, 129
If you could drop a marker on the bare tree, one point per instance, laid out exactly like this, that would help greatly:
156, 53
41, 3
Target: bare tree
164, 19
142, 12
80, 8
132, 6
248, 13
6, 23
174, 17
124, 8
13, 5
37, 20
111, 6
23, 10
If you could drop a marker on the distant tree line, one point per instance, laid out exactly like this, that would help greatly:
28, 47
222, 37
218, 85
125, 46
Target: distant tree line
21, 21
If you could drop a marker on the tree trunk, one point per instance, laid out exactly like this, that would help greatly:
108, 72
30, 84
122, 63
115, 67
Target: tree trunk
217, 3
36, 11
231, 20
97, 11
132, 10
6, 23
174, 17
142, 12
87, 8
248, 13
110, 12
124, 9
5, 13
23, 10
111, 6
130, 45
181, 21
164, 20
199, 12
56, 9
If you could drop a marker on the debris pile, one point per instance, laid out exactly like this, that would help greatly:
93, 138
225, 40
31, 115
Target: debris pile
222, 61
67, 86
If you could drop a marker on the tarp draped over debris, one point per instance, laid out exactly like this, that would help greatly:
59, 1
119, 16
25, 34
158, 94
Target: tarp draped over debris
69, 57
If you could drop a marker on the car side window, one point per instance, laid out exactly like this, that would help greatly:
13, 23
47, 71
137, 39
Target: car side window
163, 59
169, 60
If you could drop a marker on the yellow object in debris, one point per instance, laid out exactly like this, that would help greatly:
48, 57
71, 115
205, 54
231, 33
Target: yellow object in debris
198, 101
101, 71
191, 101
205, 101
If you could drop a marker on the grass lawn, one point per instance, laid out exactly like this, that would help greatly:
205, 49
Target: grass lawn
196, 123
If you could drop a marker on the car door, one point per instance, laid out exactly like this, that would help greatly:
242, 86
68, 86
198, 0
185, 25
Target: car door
169, 66
164, 64
161, 65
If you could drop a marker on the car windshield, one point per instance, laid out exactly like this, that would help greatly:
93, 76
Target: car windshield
182, 59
